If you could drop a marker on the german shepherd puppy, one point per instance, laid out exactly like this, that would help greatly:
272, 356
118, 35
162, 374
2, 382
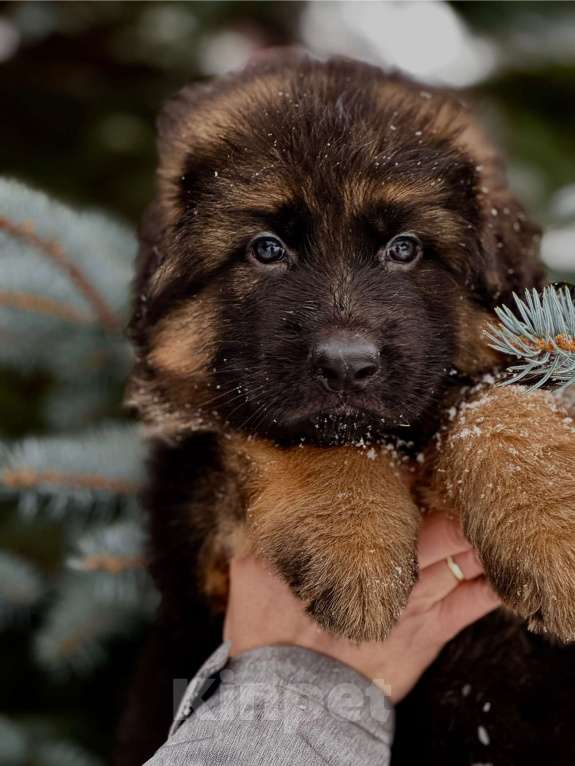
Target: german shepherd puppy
315, 274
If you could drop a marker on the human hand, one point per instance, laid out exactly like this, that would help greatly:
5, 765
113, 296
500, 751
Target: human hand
263, 611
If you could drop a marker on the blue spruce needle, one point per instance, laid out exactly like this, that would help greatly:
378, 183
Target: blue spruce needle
541, 334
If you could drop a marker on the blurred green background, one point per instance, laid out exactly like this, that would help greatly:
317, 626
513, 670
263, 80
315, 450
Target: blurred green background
80, 85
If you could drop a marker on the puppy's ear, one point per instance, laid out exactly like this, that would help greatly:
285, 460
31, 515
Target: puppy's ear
177, 110
510, 245
508, 240
193, 96
157, 224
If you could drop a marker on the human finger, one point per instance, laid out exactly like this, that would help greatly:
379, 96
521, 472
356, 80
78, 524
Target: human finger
440, 537
466, 604
438, 580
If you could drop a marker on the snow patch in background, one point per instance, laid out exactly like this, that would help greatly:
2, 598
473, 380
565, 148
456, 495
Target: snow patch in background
558, 248
425, 39
225, 52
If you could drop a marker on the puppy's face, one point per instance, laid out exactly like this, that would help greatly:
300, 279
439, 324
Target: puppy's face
322, 255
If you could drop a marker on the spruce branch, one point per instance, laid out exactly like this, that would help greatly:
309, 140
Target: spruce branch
14, 744
54, 251
63, 753
78, 626
86, 257
114, 549
42, 305
26, 478
21, 585
30, 284
25, 744
74, 404
541, 334
64, 295
102, 467
112, 559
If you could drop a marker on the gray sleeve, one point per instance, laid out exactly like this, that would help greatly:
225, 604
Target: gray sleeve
280, 705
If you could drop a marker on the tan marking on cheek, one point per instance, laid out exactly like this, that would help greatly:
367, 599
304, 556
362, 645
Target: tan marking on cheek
214, 573
184, 343
474, 355
174, 385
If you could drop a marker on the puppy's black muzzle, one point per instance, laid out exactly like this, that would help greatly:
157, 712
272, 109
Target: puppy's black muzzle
345, 361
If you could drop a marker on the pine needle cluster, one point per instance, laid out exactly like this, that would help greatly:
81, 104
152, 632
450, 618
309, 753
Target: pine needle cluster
64, 299
541, 335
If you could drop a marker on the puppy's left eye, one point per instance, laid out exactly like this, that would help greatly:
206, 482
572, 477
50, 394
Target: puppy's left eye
403, 250
267, 250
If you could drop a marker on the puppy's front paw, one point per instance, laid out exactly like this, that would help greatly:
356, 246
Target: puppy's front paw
534, 570
358, 594
507, 464
341, 527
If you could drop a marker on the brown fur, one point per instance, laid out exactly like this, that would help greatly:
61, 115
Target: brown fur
295, 492
340, 526
474, 356
506, 465
337, 158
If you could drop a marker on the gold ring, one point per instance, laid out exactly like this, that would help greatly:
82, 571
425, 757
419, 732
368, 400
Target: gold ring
455, 569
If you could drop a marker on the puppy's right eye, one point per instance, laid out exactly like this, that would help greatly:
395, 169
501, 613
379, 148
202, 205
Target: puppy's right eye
267, 250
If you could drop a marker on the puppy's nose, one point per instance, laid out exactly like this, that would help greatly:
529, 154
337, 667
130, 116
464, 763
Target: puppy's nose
345, 361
